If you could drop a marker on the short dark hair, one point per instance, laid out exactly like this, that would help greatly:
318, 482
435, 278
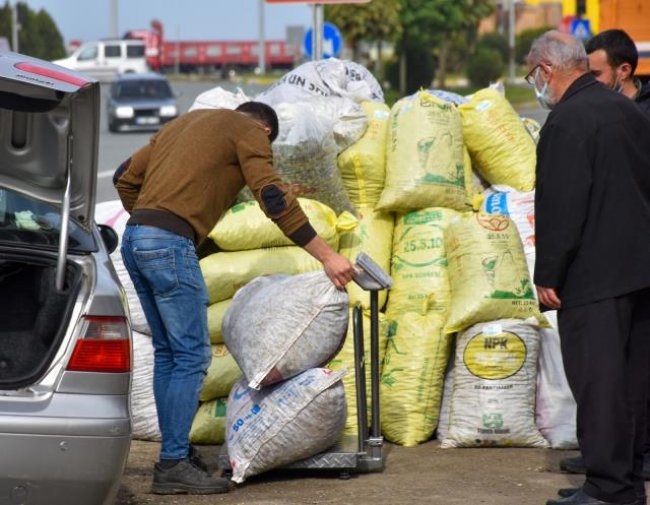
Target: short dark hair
618, 46
263, 113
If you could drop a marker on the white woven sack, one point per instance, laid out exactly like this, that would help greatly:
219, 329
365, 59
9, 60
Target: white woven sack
495, 375
284, 423
555, 411
144, 416
279, 326
219, 98
113, 214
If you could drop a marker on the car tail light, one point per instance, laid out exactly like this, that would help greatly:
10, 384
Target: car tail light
103, 346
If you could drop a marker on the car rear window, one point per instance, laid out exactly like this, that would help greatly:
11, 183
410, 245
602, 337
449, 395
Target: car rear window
146, 88
29, 222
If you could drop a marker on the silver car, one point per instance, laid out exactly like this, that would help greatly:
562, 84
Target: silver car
140, 102
65, 343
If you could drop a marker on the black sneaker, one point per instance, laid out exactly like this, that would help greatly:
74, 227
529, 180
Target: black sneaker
573, 465
185, 478
196, 460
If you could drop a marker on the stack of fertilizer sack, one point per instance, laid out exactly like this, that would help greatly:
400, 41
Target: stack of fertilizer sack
439, 191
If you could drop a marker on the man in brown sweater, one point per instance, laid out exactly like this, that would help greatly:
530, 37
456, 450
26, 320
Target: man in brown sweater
176, 188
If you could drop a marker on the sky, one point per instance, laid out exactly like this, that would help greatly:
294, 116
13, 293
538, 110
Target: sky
185, 19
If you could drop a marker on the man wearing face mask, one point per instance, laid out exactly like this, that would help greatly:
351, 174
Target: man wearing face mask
592, 211
613, 58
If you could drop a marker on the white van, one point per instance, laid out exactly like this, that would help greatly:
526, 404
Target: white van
103, 59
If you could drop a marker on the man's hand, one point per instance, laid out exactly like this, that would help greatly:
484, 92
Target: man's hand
338, 268
548, 297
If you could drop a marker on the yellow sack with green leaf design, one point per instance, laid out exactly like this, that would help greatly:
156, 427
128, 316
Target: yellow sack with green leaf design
222, 374
216, 314
501, 148
363, 164
412, 377
245, 226
225, 272
209, 424
419, 264
488, 273
374, 236
345, 359
424, 158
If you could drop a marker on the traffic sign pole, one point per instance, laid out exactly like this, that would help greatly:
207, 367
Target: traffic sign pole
317, 39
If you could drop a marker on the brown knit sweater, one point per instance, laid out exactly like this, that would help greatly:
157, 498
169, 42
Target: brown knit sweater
194, 168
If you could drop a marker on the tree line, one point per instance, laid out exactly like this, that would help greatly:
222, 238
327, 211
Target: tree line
38, 35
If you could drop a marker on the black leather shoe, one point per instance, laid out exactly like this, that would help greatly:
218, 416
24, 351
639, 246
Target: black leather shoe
573, 465
581, 498
565, 492
196, 460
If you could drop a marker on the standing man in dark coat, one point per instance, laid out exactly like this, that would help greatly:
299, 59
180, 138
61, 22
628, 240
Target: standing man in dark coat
592, 206
613, 58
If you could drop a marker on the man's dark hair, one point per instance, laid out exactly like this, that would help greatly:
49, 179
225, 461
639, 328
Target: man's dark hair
618, 46
263, 113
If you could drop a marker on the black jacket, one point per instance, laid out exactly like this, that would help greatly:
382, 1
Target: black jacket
643, 99
592, 200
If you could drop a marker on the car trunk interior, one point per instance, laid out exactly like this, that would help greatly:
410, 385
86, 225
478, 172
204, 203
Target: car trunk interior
33, 314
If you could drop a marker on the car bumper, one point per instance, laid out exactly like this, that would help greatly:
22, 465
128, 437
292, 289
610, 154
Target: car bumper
133, 124
58, 470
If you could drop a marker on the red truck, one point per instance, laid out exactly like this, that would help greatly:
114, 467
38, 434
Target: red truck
210, 55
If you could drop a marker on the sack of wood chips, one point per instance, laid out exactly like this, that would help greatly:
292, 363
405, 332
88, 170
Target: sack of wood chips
209, 424
283, 423
363, 164
216, 314
488, 273
225, 272
280, 326
412, 375
493, 398
501, 148
245, 226
222, 374
374, 236
424, 160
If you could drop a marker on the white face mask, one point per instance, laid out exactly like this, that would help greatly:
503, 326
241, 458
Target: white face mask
542, 95
618, 86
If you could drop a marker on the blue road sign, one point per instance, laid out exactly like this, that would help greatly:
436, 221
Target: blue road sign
332, 41
581, 29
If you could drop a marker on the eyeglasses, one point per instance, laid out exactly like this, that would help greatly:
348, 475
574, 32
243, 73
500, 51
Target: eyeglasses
530, 76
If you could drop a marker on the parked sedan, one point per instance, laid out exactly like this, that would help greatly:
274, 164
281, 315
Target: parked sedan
140, 102
65, 343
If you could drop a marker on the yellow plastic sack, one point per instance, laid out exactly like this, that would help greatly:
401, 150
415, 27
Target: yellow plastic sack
501, 148
488, 273
419, 263
225, 272
424, 158
222, 374
412, 377
209, 424
245, 226
363, 164
216, 314
345, 360
374, 236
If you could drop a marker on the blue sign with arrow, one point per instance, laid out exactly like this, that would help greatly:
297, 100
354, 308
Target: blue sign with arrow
332, 41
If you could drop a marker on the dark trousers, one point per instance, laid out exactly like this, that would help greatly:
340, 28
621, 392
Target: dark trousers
606, 351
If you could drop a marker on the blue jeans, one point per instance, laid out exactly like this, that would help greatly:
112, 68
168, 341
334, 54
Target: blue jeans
165, 271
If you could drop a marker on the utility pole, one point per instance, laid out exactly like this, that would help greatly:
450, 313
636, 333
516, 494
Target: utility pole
14, 27
113, 19
511, 41
262, 48
317, 39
